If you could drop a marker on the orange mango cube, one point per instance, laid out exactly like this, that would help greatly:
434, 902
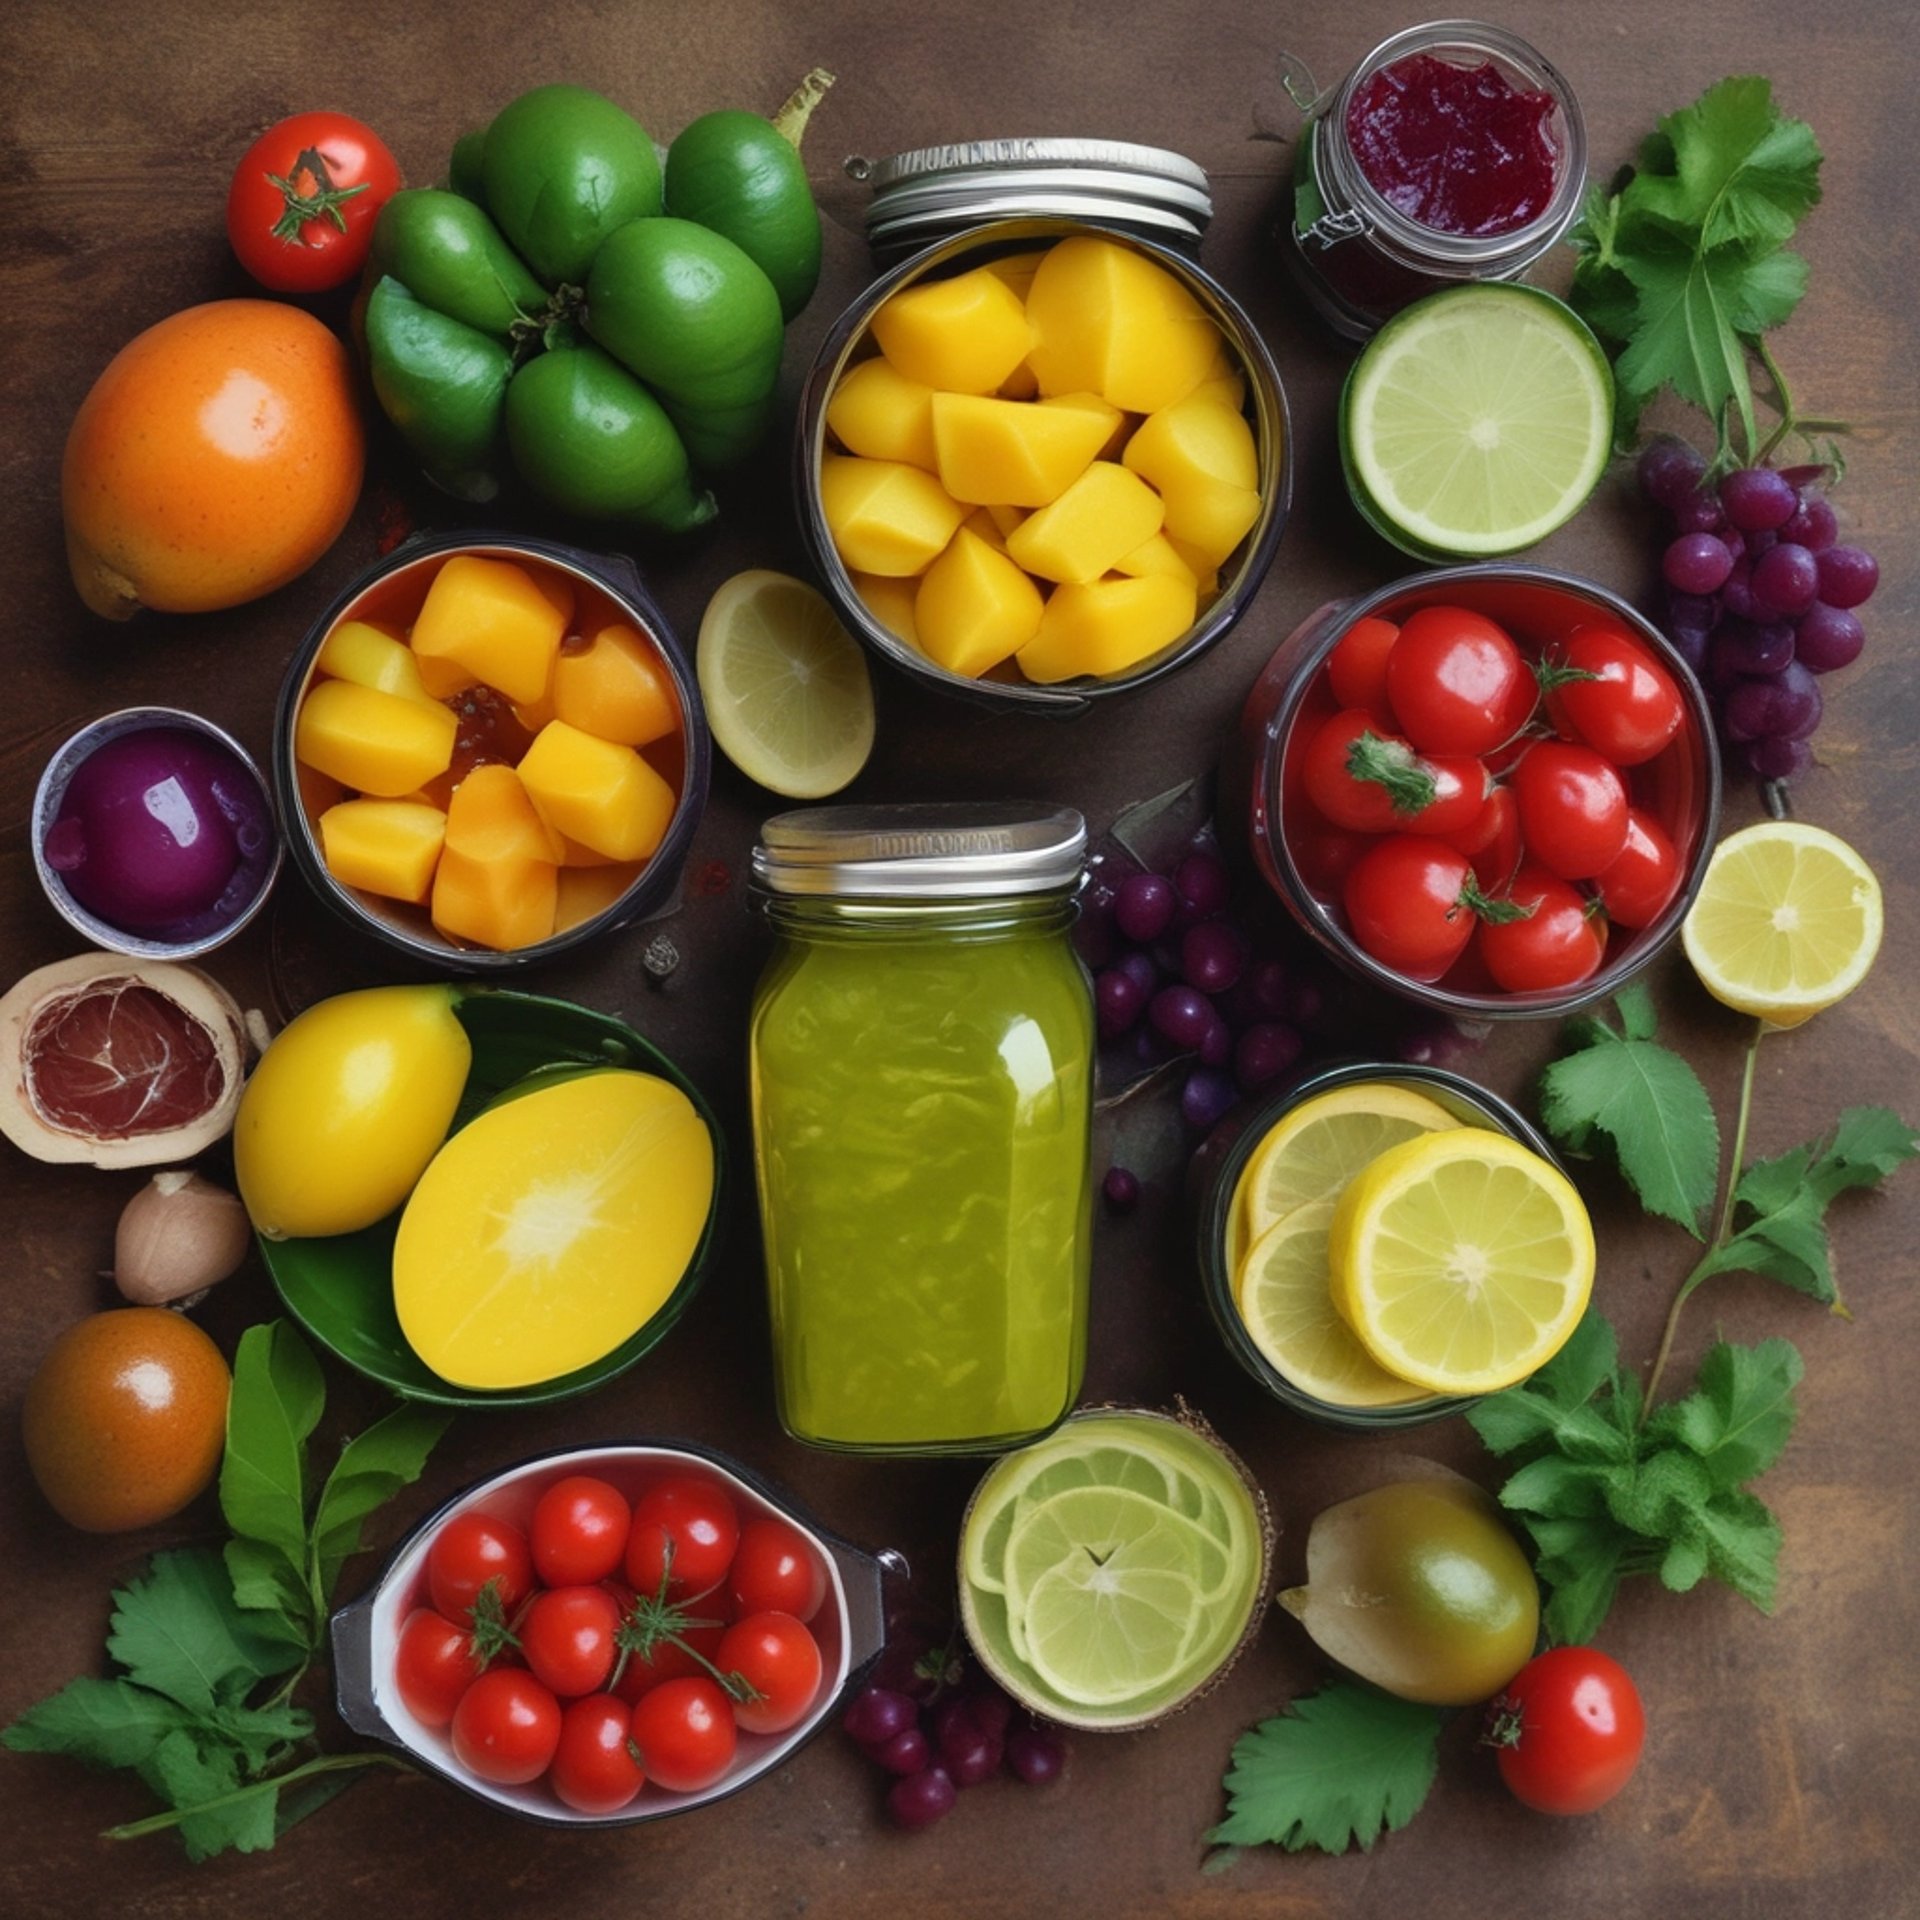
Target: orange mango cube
376, 743
494, 622
961, 335
492, 817
616, 687
877, 412
502, 904
1107, 512
885, 516
975, 607
388, 847
597, 792
1107, 626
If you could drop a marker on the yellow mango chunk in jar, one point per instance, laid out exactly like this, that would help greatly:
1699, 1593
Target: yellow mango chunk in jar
880, 414
889, 598
495, 623
1107, 512
975, 607
616, 687
370, 656
1017, 269
388, 847
885, 516
962, 335
492, 817
1007, 453
602, 795
1111, 321
1158, 555
1107, 626
1207, 518
1206, 573
375, 743
587, 892
1195, 439
502, 904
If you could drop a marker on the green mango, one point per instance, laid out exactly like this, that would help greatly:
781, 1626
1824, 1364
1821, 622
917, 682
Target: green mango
737, 174
591, 440
443, 384
446, 252
561, 169
466, 168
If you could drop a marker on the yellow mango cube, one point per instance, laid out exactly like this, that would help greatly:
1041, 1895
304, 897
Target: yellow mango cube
890, 600
1119, 425
494, 622
1006, 453
975, 607
596, 792
1019, 384
492, 817
1018, 269
963, 335
586, 892
573, 854
980, 521
878, 413
318, 791
370, 656
1194, 439
388, 847
1206, 573
1209, 516
616, 687
373, 742
1109, 320
1107, 626
502, 904
1158, 555
1105, 513
885, 516
1005, 518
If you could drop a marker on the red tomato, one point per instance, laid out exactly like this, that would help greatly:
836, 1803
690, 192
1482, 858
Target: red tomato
1573, 809
1568, 1728
434, 1663
669, 1662
1405, 903
596, 1765
1558, 944
1325, 854
1370, 781
474, 1550
506, 1727
1626, 707
1497, 859
1456, 681
568, 1637
1644, 876
579, 1532
696, 1520
685, 1732
776, 1571
1357, 666
304, 198
780, 1660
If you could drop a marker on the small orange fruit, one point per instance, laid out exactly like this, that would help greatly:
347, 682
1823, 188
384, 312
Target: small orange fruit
126, 1418
217, 457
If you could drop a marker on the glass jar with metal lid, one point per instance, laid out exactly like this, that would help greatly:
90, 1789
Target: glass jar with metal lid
941, 211
921, 1059
1382, 165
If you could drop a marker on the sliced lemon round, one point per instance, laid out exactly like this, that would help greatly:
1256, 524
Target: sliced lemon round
1316, 1149
1286, 1302
786, 686
1787, 923
1462, 1260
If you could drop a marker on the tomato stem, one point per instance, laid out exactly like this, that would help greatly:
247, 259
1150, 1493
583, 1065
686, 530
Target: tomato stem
1393, 767
654, 1619
323, 202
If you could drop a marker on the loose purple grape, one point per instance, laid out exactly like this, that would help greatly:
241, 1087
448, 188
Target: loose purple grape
1827, 638
1741, 647
1144, 906
921, 1799
970, 1754
991, 1709
1216, 1044
1814, 524
1848, 576
907, 1753
1757, 499
1121, 1190
1736, 596
1034, 1757
1139, 968
1181, 1015
878, 1714
1203, 884
1214, 955
1779, 759
1696, 563
1119, 1000
1697, 513
1206, 1097
1785, 580
1150, 1047
1785, 707
1264, 1053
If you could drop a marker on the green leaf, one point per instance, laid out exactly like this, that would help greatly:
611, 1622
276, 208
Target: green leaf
106, 1723
1637, 1018
1742, 1543
372, 1468
177, 1630
1580, 1567
186, 1772
1339, 1766
261, 1733
1656, 1497
1683, 1566
1555, 1485
277, 1400
1868, 1144
1738, 1417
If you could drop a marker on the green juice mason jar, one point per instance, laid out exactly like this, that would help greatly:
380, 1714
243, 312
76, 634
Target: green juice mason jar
922, 1084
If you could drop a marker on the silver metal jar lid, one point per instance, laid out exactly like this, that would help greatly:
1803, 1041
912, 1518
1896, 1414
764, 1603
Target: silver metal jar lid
922, 851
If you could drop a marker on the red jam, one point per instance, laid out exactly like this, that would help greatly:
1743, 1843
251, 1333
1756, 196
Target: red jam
1457, 149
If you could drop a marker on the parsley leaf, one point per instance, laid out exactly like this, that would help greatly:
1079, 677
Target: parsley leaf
178, 1631
1730, 168
1341, 1765
1737, 1418
106, 1723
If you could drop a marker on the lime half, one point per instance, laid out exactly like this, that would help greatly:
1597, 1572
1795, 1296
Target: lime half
1476, 422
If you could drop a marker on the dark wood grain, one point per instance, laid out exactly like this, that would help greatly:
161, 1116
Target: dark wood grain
1781, 1778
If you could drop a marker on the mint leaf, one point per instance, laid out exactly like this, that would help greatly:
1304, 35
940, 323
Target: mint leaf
1657, 1495
106, 1723
1741, 1539
1580, 1566
1730, 168
372, 1468
1553, 1484
1737, 1418
1341, 1765
178, 1631
1868, 1144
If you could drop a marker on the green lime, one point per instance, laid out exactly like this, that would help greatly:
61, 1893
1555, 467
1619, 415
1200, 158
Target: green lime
1041, 1477
1102, 1633
1476, 422
1094, 1523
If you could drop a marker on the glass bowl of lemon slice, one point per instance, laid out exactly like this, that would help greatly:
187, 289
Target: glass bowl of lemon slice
1381, 1245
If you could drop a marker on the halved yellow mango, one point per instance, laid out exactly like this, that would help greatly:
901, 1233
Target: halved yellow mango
388, 847
880, 414
1107, 512
1107, 626
963, 335
975, 607
373, 742
885, 516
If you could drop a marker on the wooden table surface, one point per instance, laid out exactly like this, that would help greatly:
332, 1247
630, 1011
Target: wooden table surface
1781, 1776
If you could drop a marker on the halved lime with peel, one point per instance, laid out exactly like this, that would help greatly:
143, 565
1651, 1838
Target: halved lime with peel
1476, 422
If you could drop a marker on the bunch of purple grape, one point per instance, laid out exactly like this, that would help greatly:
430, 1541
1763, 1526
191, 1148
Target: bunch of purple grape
1760, 597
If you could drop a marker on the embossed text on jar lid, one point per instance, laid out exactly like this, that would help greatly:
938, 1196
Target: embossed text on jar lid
932, 850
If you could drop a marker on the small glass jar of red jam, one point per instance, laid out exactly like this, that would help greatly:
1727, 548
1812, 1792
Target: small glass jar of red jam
1453, 151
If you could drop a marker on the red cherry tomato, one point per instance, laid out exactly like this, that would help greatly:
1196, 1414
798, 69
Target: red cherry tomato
568, 1637
776, 1571
596, 1765
1559, 943
304, 198
1325, 854
579, 1532
506, 1727
1573, 809
434, 1663
1370, 781
1406, 904
474, 1550
1644, 876
780, 1660
1568, 1729
1456, 681
1357, 666
692, 1517
1629, 707
685, 1732
669, 1662
1497, 858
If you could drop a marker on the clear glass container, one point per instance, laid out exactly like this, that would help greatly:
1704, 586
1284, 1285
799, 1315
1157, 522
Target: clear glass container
1358, 256
921, 1061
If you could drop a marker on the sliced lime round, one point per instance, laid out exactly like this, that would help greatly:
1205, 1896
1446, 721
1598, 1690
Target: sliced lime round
1100, 1633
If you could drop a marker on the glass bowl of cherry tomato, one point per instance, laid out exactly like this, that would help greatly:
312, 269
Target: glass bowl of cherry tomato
1493, 789
608, 1635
